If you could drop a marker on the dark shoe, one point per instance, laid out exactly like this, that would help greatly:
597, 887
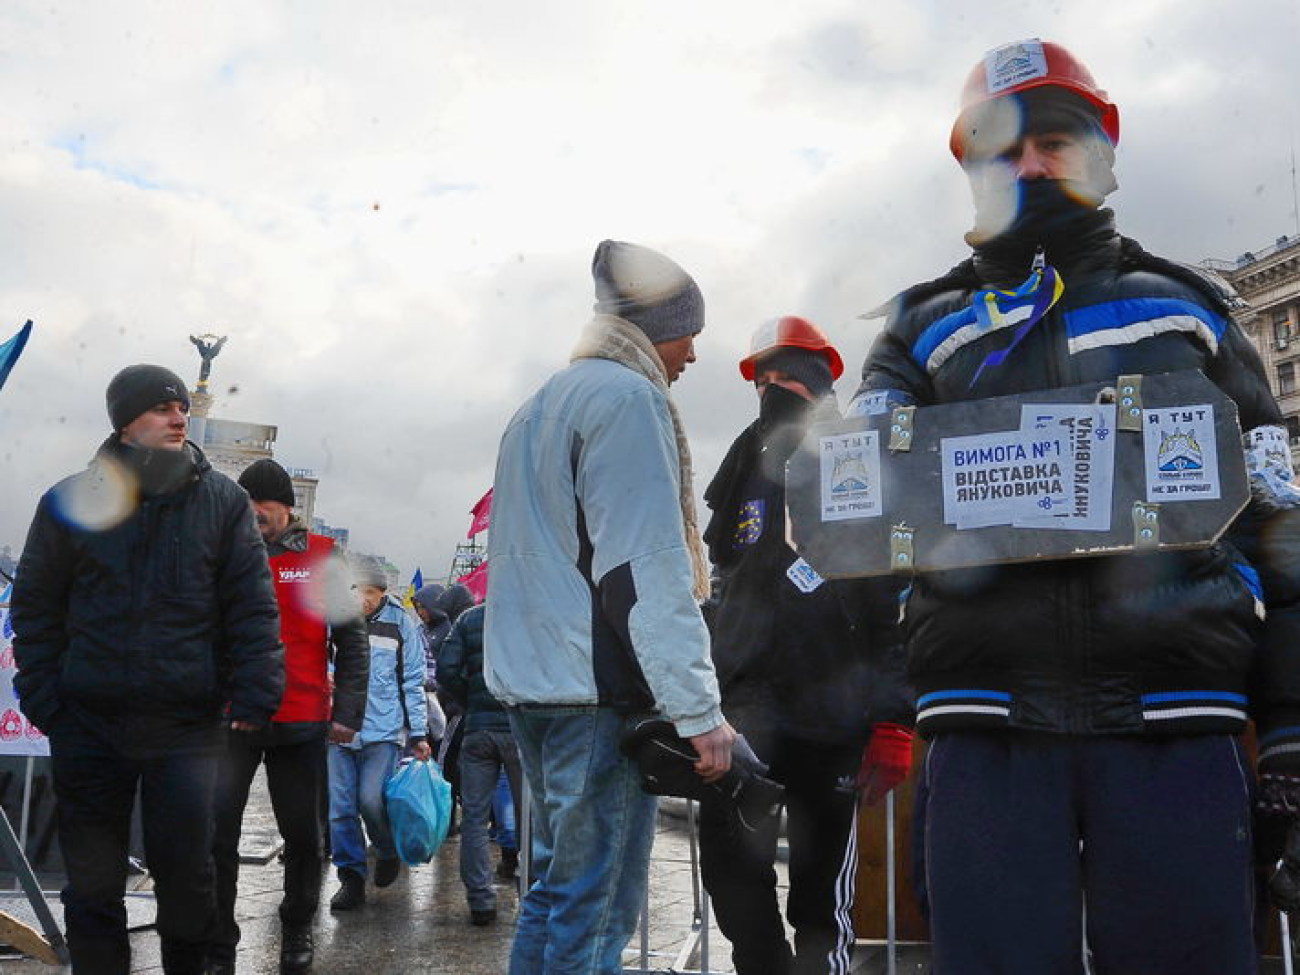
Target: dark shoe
386, 871
352, 892
508, 868
296, 949
221, 966
481, 919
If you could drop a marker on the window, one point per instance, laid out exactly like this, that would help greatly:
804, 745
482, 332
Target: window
1282, 330
1292, 428
1286, 379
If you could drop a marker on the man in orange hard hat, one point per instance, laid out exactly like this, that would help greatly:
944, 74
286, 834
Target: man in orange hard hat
811, 673
1083, 713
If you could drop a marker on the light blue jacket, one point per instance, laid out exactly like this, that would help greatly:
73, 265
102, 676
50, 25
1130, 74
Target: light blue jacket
394, 705
589, 581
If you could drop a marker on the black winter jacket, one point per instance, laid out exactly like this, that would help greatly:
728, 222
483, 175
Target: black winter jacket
823, 665
1168, 643
460, 674
146, 627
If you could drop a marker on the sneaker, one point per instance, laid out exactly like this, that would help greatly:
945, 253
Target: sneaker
508, 868
386, 871
352, 892
481, 919
296, 949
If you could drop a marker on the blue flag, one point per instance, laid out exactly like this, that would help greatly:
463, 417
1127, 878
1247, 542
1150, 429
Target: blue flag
11, 350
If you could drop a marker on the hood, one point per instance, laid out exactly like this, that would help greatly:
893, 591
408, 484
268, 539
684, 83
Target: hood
428, 597
455, 600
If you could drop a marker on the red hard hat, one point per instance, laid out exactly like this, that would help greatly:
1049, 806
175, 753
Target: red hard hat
1022, 66
792, 332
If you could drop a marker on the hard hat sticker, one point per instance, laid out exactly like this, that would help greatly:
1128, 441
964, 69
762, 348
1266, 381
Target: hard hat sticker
1013, 64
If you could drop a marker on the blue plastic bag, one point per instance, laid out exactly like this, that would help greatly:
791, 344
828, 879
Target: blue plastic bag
418, 800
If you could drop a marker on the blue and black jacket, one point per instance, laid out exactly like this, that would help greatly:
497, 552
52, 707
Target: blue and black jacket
1167, 643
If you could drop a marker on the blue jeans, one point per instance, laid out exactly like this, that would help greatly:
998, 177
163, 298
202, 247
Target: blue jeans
483, 756
503, 812
593, 828
357, 777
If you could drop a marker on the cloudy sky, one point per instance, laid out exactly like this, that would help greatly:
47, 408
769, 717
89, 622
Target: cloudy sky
390, 207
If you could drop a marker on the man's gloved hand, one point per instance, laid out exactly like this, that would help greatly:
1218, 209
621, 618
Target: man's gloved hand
1279, 795
886, 761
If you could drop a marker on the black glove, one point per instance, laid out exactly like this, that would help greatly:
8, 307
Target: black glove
1279, 795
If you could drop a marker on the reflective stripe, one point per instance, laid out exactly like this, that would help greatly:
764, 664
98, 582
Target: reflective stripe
1167, 713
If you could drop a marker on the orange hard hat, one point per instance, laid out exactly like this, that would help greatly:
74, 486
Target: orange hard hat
789, 332
1024, 65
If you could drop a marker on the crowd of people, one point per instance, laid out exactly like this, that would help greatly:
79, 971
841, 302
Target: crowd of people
1085, 802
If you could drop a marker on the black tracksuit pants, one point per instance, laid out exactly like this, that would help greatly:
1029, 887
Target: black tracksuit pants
821, 829
1141, 846
295, 771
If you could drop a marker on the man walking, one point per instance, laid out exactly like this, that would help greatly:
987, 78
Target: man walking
395, 718
593, 612
319, 623
487, 750
142, 606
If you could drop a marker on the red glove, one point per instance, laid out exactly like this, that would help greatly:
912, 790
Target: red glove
885, 762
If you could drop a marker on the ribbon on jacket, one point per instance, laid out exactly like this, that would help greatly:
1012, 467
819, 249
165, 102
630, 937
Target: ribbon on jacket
995, 309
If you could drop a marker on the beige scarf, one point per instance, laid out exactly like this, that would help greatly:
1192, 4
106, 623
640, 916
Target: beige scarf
613, 338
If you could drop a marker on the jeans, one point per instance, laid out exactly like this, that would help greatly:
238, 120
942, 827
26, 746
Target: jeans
503, 810
95, 785
483, 755
1147, 842
293, 774
357, 777
593, 828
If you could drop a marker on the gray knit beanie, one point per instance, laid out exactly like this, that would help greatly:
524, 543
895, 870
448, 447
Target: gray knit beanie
139, 388
647, 289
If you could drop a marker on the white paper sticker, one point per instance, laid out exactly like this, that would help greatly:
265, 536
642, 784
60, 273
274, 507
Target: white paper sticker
850, 476
1182, 458
804, 576
995, 478
1086, 434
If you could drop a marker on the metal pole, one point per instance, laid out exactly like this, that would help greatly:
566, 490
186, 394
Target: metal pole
34, 896
891, 914
697, 887
27, 802
524, 824
1288, 960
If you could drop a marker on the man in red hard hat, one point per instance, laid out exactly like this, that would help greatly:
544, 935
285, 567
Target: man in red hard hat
811, 673
1083, 714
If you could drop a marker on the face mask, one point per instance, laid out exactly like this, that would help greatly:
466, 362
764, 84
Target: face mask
780, 407
1034, 210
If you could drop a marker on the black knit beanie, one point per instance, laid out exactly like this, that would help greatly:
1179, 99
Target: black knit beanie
265, 480
647, 289
139, 388
803, 365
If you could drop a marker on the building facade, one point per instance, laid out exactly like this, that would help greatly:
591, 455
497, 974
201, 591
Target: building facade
1269, 282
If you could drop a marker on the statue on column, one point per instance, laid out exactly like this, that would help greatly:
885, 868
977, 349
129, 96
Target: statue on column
208, 346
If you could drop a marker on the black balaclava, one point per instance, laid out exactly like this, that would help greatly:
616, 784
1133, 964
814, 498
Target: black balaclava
1053, 213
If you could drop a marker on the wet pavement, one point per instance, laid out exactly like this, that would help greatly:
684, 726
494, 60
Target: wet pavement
421, 923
